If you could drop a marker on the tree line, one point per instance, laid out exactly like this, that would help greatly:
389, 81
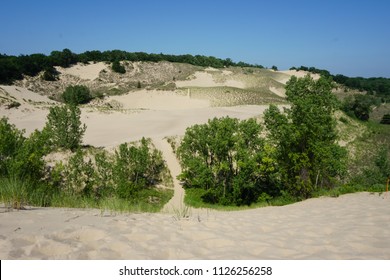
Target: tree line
14, 67
377, 86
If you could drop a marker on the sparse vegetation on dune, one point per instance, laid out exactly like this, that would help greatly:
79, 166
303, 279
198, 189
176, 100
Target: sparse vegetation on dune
231, 96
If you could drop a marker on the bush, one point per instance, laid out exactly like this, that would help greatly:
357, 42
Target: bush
20, 157
229, 160
136, 168
118, 68
50, 74
75, 95
64, 127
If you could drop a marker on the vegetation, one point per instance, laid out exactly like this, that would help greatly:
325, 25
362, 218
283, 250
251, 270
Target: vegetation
75, 95
229, 161
123, 181
305, 137
379, 87
64, 127
360, 106
118, 68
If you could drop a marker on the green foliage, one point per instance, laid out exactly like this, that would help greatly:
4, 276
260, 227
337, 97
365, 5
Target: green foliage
13, 192
136, 168
78, 94
20, 157
229, 160
305, 136
64, 127
118, 68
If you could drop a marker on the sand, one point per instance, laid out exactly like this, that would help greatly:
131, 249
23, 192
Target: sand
354, 226
86, 72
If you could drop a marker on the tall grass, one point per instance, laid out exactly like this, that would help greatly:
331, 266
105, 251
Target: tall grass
13, 192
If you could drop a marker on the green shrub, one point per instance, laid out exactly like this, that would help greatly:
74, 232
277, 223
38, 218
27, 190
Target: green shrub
64, 127
136, 168
118, 68
50, 74
229, 159
75, 95
20, 157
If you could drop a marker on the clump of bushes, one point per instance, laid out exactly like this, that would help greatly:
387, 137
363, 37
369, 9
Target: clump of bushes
229, 160
88, 179
128, 173
75, 95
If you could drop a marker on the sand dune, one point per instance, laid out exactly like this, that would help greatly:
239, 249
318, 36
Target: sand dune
354, 226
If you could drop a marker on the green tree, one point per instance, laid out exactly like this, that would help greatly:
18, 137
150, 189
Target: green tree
229, 160
78, 94
305, 136
64, 127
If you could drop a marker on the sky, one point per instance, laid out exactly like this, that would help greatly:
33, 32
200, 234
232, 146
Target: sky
342, 36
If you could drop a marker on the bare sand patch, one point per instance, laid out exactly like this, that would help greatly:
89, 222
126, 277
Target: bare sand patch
84, 71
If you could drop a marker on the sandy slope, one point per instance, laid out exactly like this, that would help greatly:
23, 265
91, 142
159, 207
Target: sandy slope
354, 226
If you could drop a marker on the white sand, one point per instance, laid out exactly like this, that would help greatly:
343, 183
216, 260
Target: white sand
84, 71
354, 226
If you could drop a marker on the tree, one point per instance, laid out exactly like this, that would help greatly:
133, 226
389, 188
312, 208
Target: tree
75, 95
64, 127
305, 136
228, 160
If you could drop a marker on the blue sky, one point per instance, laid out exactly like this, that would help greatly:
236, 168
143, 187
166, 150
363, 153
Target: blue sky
346, 37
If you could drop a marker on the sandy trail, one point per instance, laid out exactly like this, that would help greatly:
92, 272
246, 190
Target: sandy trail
177, 201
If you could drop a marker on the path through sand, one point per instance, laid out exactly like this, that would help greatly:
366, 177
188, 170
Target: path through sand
177, 201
